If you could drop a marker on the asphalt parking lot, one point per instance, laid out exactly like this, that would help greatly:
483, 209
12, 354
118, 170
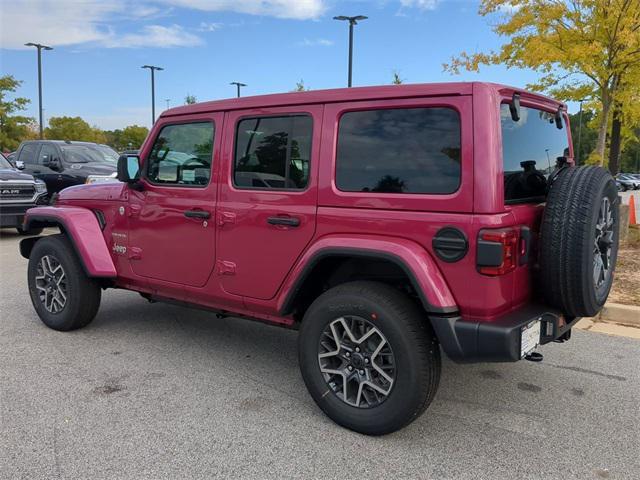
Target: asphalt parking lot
157, 391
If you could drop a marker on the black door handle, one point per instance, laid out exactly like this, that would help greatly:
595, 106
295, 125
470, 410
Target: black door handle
197, 214
287, 221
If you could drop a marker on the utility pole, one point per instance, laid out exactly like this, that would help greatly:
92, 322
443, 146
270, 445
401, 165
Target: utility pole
238, 85
352, 21
40, 48
167, 100
152, 69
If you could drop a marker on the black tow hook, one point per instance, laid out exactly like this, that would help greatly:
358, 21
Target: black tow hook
534, 357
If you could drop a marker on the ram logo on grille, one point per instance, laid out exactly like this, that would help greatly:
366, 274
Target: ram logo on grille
13, 191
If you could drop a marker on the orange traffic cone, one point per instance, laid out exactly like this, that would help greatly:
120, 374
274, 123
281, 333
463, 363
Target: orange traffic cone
632, 211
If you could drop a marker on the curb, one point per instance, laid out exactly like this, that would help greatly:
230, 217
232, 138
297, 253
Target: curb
621, 314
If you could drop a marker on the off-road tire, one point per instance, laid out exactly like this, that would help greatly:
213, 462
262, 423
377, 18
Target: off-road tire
568, 235
408, 332
82, 293
29, 231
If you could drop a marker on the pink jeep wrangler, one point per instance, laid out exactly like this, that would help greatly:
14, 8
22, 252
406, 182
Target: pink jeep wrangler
386, 223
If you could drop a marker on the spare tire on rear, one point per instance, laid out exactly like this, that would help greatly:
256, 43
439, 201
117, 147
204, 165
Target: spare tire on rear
579, 240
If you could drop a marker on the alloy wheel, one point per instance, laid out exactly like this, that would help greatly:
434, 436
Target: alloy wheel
357, 362
51, 284
603, 244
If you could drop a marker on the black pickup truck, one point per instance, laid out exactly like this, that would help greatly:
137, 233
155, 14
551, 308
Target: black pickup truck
18, 192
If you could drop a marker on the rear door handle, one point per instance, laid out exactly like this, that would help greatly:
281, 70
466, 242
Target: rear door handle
197, 214
286, 221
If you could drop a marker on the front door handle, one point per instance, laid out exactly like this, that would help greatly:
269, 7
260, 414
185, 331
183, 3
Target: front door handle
197, 214
286, 221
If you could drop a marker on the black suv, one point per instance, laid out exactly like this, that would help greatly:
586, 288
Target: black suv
18, 193
61, 164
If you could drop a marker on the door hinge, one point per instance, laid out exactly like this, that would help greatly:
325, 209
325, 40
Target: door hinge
225, 267
135, 253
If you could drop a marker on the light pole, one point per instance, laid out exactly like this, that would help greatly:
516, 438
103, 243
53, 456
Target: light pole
579, 131
167, 100
40, 48
238, 85
152, 69
352, 21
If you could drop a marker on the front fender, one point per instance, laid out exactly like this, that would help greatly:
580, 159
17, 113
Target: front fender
422, 270
82, 228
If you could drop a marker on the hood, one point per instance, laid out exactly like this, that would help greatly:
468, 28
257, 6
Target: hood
93, 168
94, 191
7, 174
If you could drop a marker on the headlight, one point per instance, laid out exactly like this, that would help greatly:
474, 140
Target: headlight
41, 187
101, 178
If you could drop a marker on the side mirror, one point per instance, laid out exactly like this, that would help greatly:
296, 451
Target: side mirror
19, 164
128, 168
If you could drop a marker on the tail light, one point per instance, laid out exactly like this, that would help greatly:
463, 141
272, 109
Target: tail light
497, 251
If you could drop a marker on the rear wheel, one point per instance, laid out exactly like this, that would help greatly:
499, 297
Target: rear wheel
369, 357
579, 240
62, 294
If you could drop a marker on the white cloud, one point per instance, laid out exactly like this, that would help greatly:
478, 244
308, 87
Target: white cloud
156, 36
420, 4
210, 26
318, 42
77, 22
295, 9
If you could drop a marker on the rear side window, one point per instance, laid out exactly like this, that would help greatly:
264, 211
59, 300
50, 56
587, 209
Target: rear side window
182, 155
412, 150
273, 152
28, 153
530, 149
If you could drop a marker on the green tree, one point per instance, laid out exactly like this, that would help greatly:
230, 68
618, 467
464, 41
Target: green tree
130, 137
300, 87
73, 128
581, 47
190, 99
13, 128
587, 139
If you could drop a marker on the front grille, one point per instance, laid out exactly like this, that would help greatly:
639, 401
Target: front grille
17, 192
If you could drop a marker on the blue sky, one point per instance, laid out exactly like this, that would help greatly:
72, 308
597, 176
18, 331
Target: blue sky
99, 46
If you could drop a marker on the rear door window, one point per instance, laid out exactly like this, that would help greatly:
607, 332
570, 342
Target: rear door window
404, 150
530, 149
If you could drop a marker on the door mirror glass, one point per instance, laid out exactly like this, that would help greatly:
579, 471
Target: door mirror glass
128, 168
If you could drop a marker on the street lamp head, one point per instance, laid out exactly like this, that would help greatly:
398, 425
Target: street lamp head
38, 45
239, 84
152, 67
351, 20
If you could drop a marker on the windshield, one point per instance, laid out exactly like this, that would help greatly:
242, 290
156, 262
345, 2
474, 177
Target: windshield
4, 163
530, 149
109, 153
87, 153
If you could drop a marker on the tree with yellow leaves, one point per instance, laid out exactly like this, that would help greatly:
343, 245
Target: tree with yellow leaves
583, 48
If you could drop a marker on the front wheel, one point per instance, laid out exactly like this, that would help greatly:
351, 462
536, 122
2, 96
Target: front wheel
62, 294
368, 357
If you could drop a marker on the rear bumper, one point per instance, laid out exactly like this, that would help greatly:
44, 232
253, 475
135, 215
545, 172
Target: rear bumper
497, 340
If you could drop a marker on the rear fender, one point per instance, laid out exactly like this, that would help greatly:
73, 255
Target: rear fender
425, 276
83, 230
